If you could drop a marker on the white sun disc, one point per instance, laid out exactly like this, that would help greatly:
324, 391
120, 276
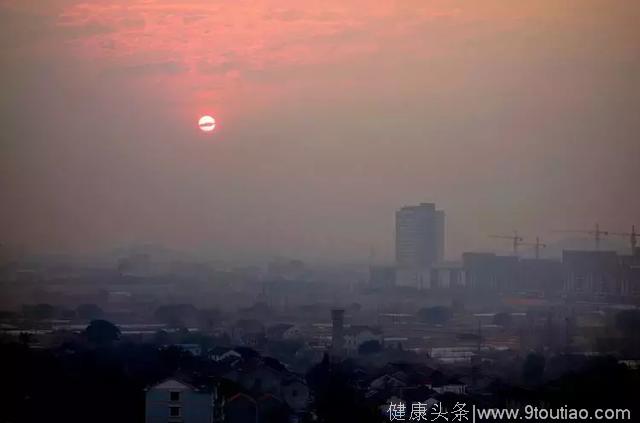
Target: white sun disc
207, 123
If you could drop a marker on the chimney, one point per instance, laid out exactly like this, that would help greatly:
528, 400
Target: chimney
337, 332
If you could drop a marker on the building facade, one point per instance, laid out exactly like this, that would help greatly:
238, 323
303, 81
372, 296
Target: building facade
420, 233
174, 401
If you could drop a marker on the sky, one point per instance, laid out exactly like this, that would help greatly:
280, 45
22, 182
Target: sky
331, 115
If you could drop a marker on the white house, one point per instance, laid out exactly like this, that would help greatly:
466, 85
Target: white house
173, 400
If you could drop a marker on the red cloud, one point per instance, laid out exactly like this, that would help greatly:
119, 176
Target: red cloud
219, 43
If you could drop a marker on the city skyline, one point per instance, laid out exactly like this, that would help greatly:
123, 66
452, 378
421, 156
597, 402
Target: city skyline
270, 211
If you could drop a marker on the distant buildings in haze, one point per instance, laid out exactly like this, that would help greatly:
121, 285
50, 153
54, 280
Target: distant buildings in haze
420, 233
419, 263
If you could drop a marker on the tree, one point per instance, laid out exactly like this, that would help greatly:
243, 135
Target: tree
369, 347
533, 368
89, 312
434, 315
25, 338
286, 350
628, 322
102, 332
161, 337
335, 398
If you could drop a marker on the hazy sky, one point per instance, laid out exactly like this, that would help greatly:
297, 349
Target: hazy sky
332, 114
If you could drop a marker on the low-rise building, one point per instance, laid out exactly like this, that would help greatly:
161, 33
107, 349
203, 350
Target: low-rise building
173, 400
355, 336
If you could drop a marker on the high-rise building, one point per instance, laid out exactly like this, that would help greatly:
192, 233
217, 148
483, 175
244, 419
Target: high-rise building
439, 222
420, 233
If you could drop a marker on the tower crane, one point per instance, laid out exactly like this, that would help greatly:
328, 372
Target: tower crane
633, 238
516, 240
597, 234
537, 245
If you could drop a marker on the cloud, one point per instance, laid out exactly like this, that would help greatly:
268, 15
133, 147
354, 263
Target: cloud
167, 68
219, 65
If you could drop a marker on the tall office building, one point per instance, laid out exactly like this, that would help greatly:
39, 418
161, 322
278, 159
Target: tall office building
439, 222
420, 237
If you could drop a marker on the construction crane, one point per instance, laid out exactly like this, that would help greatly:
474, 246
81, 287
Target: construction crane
597, 234
537, 245
516, 240
633, 238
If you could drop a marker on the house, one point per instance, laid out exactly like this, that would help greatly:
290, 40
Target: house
414, 382
193, 349
173, 400
388, 381
241, 408
223, 353
293, 333
409, 381
272, 409
268, 376
257, 377
249, 332
276, 332
450, 385
284, 332
401, 375
232, 354
421, 394
354, 336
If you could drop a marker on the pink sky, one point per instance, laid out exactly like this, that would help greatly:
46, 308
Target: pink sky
332, 114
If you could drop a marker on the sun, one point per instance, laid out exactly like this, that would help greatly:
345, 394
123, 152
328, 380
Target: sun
207, 123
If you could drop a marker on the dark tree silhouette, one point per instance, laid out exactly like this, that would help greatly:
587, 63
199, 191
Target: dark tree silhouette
533, 369
335, 398
25, 338
102, 332
369, 347
628, 322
